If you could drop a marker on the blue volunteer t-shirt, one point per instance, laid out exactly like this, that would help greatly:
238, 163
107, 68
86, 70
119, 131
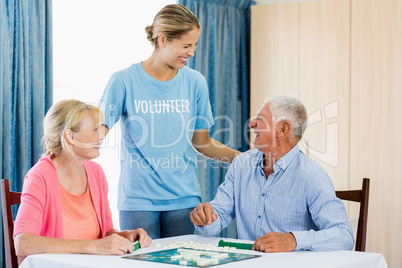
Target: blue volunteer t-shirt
157, 120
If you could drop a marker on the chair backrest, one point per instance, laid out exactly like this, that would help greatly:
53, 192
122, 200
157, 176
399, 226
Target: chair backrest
361, 196
8, 199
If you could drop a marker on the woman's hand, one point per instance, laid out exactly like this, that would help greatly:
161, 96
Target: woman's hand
112, 244
138, 234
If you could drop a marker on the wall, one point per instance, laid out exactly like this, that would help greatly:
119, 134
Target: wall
375, 138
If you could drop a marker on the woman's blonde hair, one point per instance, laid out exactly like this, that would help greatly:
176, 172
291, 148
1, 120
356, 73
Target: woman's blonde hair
66, 114
173, 21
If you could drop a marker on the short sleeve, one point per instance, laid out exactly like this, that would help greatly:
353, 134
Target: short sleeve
204, 112
112, 102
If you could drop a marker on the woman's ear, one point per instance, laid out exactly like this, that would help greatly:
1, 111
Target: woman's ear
69, 136
162, 40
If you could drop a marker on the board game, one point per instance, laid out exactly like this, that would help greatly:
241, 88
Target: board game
192, 257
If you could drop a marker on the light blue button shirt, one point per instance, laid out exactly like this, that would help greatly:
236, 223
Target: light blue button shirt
298, 197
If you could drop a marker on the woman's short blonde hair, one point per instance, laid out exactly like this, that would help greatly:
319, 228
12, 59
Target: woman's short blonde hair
66, 114
173, 21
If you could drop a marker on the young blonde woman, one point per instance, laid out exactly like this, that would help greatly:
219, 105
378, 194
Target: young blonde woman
164, 112
64, 206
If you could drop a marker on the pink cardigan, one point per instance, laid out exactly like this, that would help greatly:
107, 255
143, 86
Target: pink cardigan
40, 209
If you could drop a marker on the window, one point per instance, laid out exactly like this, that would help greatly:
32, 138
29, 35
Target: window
92, 39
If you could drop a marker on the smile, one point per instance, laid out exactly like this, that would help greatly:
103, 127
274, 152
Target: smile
183, 60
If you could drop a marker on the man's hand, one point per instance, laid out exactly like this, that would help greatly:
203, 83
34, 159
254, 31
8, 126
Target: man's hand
275, 242
203, 214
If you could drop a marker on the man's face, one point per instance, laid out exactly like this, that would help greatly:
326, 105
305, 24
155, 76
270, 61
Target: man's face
264, 129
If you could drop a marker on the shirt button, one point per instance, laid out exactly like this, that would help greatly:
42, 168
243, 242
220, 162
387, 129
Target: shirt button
263, 194
259, 216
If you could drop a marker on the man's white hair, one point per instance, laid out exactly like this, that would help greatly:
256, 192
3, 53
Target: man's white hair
284, 108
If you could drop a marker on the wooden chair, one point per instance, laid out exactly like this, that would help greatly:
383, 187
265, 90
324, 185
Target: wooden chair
361, 196
9, 198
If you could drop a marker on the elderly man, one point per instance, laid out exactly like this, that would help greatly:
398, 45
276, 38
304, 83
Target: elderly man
280, 198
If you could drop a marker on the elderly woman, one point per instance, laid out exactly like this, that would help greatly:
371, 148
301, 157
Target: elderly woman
64, 206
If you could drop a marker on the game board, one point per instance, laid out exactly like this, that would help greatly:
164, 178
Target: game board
192, 257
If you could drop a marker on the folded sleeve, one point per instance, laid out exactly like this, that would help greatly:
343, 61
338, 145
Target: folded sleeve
30, 213
223, 205
328, 214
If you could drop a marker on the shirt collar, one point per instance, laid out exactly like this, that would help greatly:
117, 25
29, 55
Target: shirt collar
284, 161
260, 159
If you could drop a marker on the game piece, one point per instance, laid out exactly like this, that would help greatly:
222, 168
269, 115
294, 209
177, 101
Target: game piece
225, 244
191, 244
136, 245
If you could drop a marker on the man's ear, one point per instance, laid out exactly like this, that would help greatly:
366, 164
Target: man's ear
282, 129
162, 40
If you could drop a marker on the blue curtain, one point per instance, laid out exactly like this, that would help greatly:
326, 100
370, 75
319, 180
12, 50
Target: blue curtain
223, 57
26, 86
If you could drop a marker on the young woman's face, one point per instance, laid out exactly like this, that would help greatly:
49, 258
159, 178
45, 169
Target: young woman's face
178, 51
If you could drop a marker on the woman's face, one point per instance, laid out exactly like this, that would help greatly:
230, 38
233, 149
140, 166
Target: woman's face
177, 51
87, 141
